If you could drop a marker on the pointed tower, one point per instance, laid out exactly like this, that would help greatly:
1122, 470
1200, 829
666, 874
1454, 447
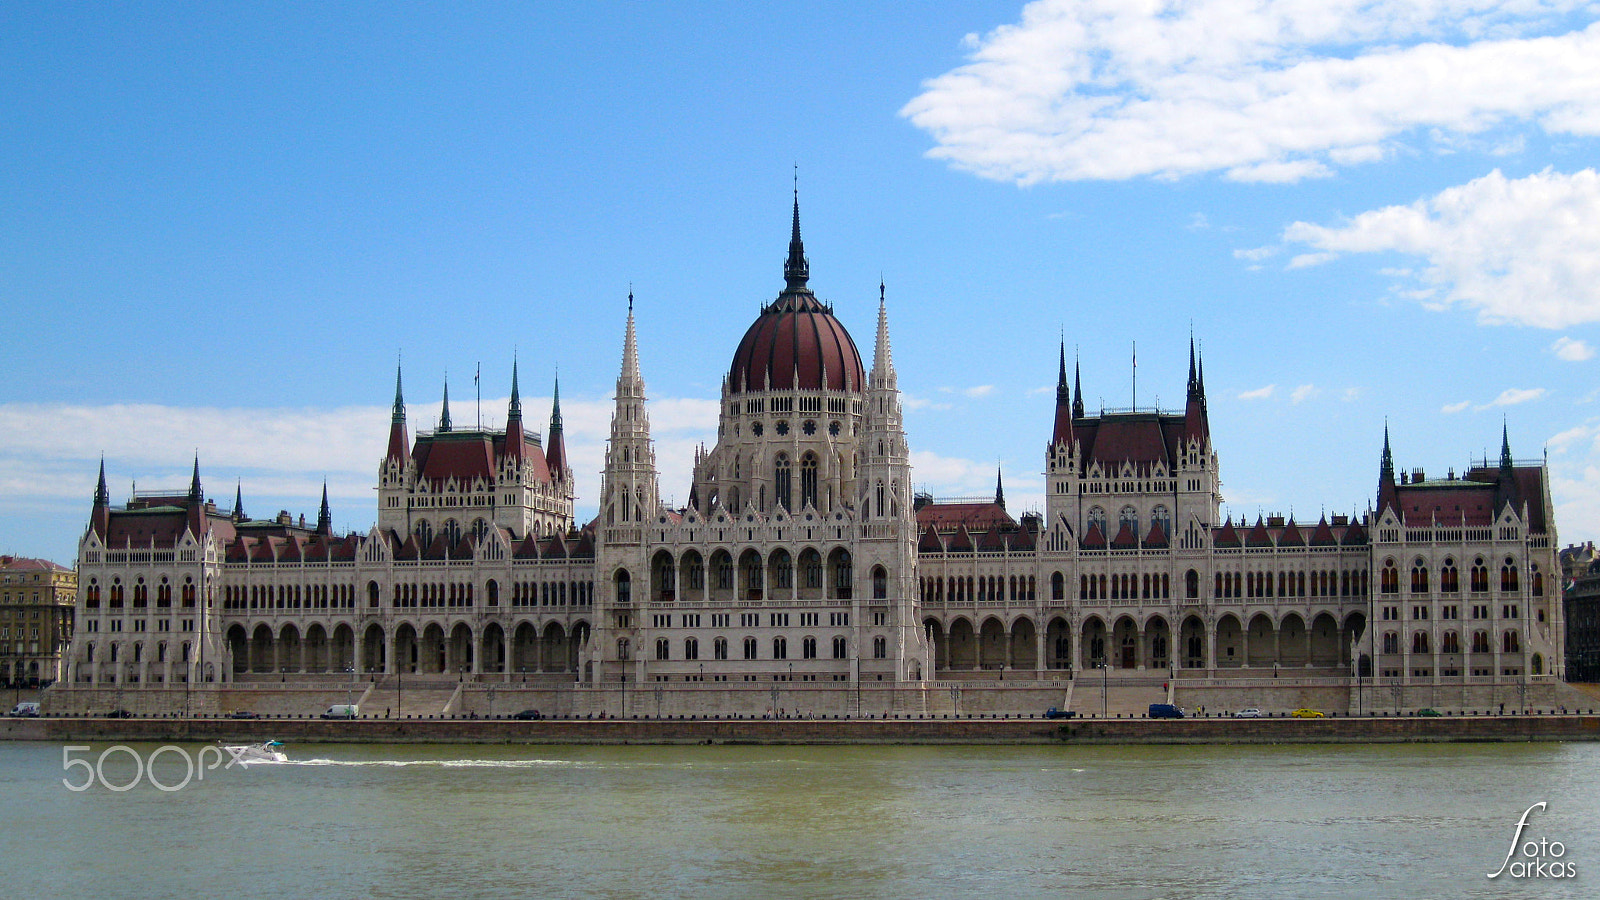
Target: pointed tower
399, 442
444, 410
100, 519
628, 492
515, 437
1062, 433
1077, 385
1196, 424
325, 515
999, 489
885, 461
1387, 495
195, 494
555, 445
238, 502
1505, 488
796, 269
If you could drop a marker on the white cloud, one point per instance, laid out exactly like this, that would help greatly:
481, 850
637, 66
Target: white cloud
912, 403
1513, 396
1351, 395
1453, 408
982, 390
1572, 350
1303, 393
1261, 393
1255, 254
1523, 251
1199, 222
49, 453
1107, 89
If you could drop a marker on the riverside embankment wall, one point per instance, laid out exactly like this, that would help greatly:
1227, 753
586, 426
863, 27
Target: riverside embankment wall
819, 731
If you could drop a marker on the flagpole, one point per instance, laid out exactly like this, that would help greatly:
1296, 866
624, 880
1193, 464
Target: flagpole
479, 388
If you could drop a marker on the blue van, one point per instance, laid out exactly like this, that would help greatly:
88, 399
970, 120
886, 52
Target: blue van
1165, 711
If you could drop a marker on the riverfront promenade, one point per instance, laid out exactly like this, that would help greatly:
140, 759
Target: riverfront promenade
1352, 730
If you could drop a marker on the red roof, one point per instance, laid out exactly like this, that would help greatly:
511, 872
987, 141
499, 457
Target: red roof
947, 517
1138, 438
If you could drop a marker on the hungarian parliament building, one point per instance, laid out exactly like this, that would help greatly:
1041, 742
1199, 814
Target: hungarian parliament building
803, 555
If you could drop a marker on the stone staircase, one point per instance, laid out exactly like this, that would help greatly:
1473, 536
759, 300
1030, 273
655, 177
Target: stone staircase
414, 698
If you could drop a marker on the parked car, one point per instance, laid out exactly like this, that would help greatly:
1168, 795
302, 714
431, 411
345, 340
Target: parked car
119, 714
343, 711
244, 714
1165, 711
529, 714
1053, 713
1303, 713
27, 709
1428, 711
1248, 713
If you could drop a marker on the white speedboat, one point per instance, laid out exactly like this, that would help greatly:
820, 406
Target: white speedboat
266, 751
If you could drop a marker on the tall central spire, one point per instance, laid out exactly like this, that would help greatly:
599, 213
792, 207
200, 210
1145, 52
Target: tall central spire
399, 417
796, 269
444, 410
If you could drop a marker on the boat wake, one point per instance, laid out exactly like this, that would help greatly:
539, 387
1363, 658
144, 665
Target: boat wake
444, 763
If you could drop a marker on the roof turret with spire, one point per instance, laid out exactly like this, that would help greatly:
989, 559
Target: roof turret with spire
515, 437
399, 442
325, 515
556, 448
444, 410
1062, 433
1387, 494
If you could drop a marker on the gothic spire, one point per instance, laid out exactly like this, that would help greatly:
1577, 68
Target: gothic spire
515, 412
1077, 388
796, 269
399, 416
102, 497
1505, 448
324, 515
444, 411
999, 489
556, 451
882, 374
630, 351
1194, 380
1065, 411
194, 482
238, 502
1063, 393
1386, 467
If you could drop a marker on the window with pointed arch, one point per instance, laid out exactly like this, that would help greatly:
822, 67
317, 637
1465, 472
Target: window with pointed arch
480, 529
1480, 642
1162, 517
1510, 642
719, 648
663, 648
1419, 642
1389, 578
624, 586
749, 648
1058, 586
880, 583
880, 648
1508, 575
1391, 642
808, 480
1191, 584
780, 648
1449, 578
622, 648
840, 647
1480, 577
1537, 582
1097, 517
1419, 576
1129, 517
808, 648
691, 648
452, 532
1451, 643
782, 481
424, 532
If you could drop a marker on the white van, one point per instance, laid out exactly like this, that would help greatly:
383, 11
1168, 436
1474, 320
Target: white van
27, 709
343, 711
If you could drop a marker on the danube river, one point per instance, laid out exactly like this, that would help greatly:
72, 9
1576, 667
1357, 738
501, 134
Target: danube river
359, 821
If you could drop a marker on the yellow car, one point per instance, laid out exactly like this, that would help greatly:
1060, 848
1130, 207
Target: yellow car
1303, 713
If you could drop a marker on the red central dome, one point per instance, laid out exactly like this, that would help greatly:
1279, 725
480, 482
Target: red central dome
796, 343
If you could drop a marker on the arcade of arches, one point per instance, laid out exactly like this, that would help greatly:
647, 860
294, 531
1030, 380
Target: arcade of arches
990, 643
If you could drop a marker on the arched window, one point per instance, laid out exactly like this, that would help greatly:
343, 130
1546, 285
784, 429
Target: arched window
840, 647
1129, 517
1451, 643
1480, 642
1419, 642
782, 481
1389, 578
1160, 516
719, 648
1449, 579
880, 648
1191, 584
808, 648
691, 648
624, 584
1419, 577
1509, 642
780, 648
663, 648
880, 583
749, 648
1097, 516
622, 648
1538, 582
452, 532
808, 480
1391, 642
424, 533
1508, 575
1058, 589
1480, 576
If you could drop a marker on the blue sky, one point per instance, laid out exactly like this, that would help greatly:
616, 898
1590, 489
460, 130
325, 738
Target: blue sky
220, 225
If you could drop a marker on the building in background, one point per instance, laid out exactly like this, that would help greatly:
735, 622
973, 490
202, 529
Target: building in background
1580, 578
37, 602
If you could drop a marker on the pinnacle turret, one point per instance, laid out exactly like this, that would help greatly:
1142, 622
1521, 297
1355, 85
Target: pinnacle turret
325, 515
444, 410
195, 494
102, 497
796, 269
